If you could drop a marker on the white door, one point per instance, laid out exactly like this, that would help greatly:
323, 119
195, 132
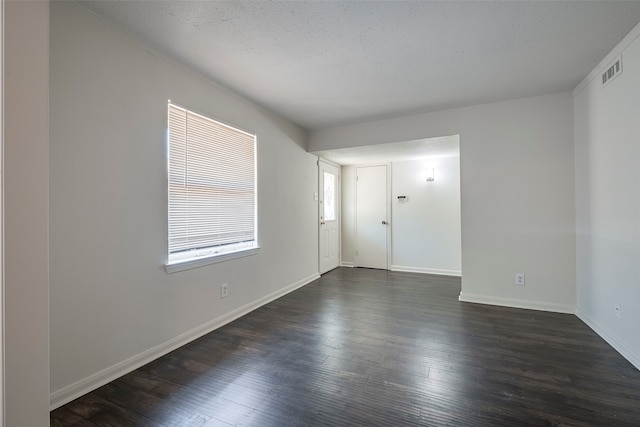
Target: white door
371, 217
329, 228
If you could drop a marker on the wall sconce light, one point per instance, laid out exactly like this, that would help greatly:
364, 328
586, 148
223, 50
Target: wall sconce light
430, 175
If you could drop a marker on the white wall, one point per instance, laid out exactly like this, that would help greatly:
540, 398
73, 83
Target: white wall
517, 197
607, 152
348, 216
113, 307
26, 192
425, 229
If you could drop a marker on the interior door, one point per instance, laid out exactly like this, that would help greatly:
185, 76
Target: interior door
329, 205
371, 217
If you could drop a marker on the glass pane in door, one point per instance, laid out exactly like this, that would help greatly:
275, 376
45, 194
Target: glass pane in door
329, 197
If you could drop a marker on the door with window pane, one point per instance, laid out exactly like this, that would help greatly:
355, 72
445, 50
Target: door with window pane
329, 214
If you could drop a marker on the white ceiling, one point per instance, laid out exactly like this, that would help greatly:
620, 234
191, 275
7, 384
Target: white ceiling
446, 146
326, 63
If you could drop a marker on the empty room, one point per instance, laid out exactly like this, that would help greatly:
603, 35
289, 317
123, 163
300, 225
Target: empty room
225, 213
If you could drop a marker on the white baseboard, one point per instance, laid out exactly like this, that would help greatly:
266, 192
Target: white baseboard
611, 338
518, 303
426, 270
92, 382
346, 264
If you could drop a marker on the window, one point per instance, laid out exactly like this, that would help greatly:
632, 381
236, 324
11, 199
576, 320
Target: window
212, 190
329, 197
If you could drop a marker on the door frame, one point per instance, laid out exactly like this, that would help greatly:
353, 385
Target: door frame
2, 368
338, 209
388, 208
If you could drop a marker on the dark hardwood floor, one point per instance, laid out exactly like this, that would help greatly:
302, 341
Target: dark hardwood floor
365, 347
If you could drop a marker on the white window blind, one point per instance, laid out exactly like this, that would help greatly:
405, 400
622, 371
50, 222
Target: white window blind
212, 187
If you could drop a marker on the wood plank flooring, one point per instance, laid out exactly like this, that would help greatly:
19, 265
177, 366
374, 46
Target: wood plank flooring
361, 347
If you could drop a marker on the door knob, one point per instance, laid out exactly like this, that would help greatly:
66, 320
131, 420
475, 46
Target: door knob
384, 222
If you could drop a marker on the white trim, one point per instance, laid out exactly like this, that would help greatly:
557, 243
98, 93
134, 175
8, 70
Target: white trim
406, 269
92, 382
346, 264
518, 303
606, 62
2, 322
190, 263
329, 162
611, 338
389, 216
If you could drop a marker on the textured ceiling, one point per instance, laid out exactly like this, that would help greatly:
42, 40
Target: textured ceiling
323, 64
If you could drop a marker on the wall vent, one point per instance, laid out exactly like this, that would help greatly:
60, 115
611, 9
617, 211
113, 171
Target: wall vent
613, 71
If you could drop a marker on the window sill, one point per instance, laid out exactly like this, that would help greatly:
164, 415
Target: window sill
190, 263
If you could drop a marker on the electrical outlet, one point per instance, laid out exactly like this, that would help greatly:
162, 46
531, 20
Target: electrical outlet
224, 290
519, 279
617, 310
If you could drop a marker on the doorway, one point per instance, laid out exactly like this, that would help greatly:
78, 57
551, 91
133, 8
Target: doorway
423, 216
329, 214
372, 217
